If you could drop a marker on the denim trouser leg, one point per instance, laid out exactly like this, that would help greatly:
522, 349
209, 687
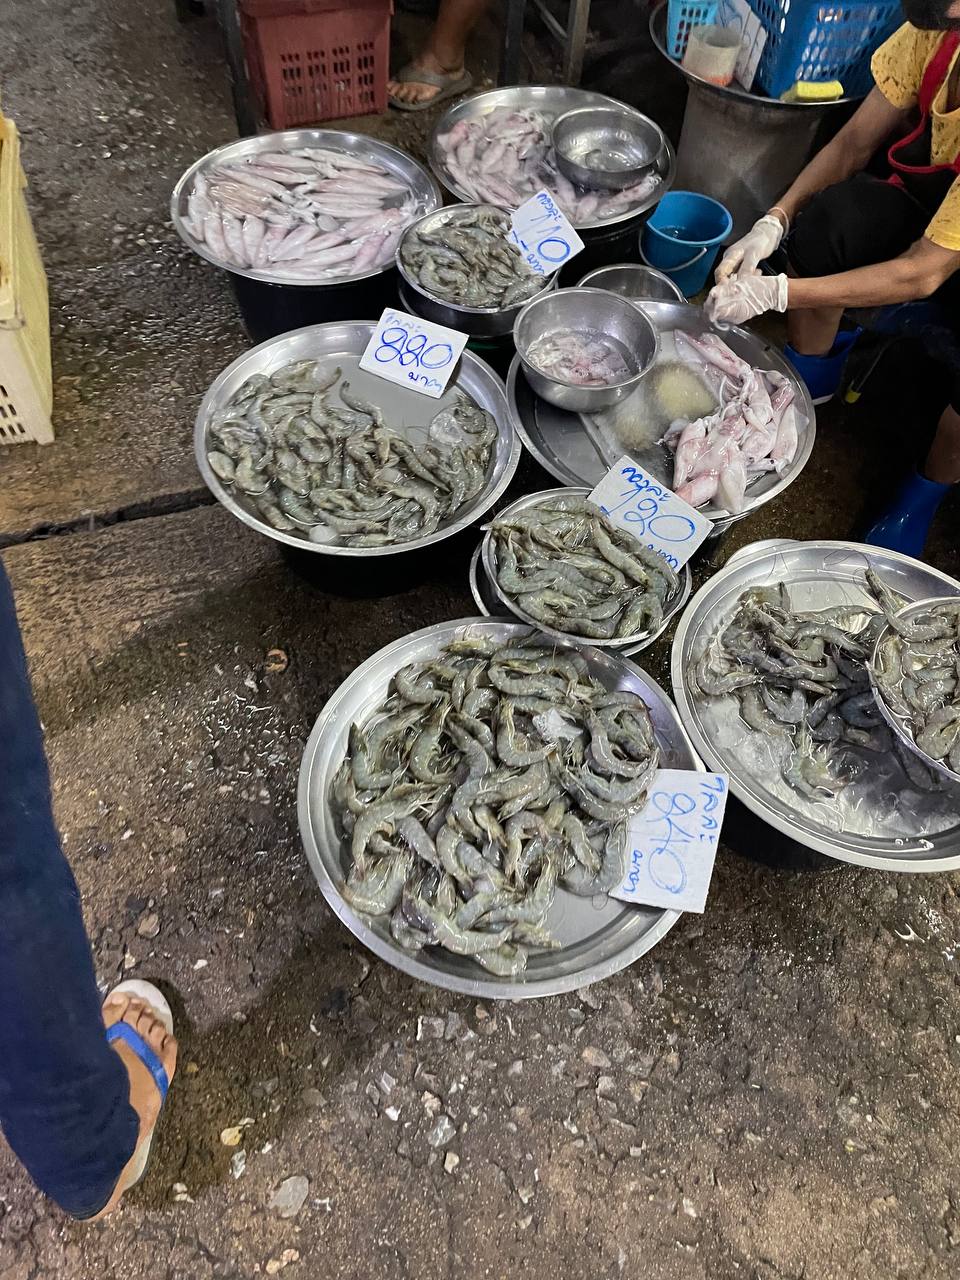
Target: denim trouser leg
63, 1091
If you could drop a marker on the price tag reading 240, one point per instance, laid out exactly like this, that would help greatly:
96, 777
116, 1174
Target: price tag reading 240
413, 353
653, 514
543, 234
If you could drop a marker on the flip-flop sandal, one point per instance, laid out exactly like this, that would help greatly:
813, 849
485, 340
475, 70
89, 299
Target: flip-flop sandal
132, 1038
450, 86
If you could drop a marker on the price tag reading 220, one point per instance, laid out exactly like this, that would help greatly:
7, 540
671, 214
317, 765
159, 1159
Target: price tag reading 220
413, 353
640, 505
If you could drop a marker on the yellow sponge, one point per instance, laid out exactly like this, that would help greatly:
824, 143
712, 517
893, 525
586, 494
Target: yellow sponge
813, 91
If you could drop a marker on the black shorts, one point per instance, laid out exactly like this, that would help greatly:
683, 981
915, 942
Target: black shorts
865, 220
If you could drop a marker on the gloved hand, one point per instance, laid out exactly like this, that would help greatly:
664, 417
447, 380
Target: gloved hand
744, 257
736, 301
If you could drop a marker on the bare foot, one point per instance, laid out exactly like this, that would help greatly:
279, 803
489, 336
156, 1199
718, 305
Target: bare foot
144, 1095
413, 90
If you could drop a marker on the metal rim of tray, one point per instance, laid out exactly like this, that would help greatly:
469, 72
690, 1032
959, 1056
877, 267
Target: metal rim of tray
537, 97
903, 731
443, 216
576, 965
396, 161
858, 850
635, 643
337, 340
658, 32
667, 316
589, 281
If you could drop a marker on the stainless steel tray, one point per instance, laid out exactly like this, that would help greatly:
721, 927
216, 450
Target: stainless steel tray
899, 724
425, 191
881, 820
599, 936
343, 344
552, 100
627, 644
573, 448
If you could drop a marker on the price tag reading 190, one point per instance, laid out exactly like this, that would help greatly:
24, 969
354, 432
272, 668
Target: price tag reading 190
413, 353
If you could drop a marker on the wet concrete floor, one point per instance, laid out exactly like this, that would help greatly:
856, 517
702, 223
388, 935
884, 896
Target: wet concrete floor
770, 1093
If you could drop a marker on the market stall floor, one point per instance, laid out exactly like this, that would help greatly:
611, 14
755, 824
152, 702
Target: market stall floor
773, 1092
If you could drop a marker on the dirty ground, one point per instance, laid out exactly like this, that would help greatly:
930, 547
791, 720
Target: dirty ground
771, 1093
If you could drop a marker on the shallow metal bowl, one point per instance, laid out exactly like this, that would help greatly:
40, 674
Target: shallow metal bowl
605, 146
425, 192
343, 344
623, 644
900, 725
635, 281
572, 449
592, 311
479, 322
551, 100
598, 936
877, 820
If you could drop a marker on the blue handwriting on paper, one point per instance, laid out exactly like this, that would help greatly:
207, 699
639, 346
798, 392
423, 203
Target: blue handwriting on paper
542, 233
414, 352
641, 506
678, 824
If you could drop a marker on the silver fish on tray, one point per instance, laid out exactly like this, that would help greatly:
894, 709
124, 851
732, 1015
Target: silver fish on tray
334, 471
507, 155
491, 775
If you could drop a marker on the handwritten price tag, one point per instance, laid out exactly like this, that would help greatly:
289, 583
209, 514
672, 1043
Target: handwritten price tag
653, 514
672, 842
542, 233
413, 353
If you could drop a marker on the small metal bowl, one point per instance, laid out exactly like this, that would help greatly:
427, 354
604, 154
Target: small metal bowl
900, 725
605, 147
478, 322
634, 281
594, 311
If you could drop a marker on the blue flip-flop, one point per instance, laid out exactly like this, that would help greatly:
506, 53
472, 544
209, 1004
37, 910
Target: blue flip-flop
155, 1000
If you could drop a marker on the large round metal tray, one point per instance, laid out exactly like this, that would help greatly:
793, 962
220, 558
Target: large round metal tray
343, 344
425, 191
881, 820
572, 447
552, 100
626, 644
598, 936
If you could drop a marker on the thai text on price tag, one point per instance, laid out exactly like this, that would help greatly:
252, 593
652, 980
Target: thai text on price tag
542, 233
672, 841
632, 500
413, 353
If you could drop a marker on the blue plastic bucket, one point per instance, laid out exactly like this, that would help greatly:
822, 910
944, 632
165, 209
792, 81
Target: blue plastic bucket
683, 236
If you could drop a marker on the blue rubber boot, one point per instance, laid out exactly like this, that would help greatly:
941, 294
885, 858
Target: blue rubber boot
824, 374
906, 525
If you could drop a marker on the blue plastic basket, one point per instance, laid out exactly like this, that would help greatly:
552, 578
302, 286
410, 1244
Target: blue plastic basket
807, 40
681, 16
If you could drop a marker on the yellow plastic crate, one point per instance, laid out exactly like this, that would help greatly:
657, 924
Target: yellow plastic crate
26, 382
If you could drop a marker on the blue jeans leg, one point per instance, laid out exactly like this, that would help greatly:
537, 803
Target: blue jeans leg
64, 1093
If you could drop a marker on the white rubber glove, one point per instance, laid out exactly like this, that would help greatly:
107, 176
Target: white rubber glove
736, 301
744, 257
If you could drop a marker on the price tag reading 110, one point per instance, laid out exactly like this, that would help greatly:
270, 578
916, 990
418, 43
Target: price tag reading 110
543, 234
413, 353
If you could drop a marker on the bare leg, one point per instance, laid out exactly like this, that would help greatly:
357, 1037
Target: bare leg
444, 51
813, 333
943, 460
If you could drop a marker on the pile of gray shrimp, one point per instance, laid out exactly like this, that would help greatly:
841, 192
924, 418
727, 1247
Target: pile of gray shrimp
468, 260
804, 676
566, 566
491, 774
338, 473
